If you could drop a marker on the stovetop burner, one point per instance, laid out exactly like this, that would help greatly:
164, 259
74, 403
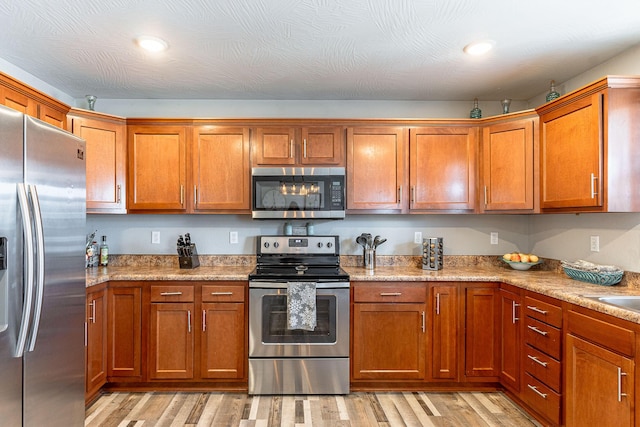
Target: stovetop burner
301, 258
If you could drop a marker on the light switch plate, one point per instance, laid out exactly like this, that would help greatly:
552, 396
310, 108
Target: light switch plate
595, 243
417, 237
233, 237
155, 237
494, 238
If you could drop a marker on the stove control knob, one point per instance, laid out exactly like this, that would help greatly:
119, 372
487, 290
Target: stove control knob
276, 244
329, 244
320, 244
266, 244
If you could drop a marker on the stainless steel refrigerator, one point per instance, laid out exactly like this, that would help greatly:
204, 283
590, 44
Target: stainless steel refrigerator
42, 276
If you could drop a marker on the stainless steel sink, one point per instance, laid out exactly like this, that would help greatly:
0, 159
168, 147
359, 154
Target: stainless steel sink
630, 302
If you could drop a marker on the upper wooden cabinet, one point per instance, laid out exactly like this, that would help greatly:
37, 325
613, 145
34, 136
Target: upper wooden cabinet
508, 169
442, 168
276, 146
106, 159
377, 169
220, 175
157, 159
589, 158
15, 94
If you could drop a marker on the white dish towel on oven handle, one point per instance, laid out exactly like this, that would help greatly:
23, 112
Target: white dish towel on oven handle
301, 305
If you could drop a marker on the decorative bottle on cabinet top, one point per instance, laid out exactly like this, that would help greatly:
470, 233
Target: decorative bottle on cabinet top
476, 113
553, 93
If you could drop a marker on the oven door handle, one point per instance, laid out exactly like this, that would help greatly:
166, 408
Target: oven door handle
283, 285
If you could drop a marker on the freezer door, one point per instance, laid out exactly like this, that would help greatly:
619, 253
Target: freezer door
11, 128
54, 355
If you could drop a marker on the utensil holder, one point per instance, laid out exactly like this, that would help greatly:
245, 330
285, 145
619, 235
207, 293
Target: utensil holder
191, 261
369, 256
432, 253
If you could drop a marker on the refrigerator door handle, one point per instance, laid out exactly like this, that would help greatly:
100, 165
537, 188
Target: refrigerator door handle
39, 234
25, 213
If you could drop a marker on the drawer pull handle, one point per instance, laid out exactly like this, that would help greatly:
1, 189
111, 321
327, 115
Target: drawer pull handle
204, 320
390, 294
217, 294
537, 310
534, 329
538, 361
538, 392
424, 323
514, 317
170, 294
189, 321
438, 303
620, 393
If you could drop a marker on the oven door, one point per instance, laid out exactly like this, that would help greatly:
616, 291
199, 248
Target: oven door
268, 333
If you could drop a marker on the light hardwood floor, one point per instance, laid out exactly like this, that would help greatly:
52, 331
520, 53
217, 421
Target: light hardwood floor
355, 409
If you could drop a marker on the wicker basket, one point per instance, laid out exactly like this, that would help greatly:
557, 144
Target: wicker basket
597, 278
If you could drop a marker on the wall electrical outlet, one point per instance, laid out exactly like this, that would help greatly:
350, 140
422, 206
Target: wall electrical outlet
417, 237
155, 237
494, 238
233, 237
595, 243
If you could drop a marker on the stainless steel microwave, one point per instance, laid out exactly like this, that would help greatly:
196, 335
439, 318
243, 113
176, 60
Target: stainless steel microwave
290, 192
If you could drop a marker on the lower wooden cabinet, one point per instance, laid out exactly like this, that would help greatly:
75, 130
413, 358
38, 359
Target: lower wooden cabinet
96, 341
510, 338
443, 331
223, 348
389, 328
171, 341
124, 329
482, 356
600, 370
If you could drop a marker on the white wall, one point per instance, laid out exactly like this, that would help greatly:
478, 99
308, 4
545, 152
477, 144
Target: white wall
463, 234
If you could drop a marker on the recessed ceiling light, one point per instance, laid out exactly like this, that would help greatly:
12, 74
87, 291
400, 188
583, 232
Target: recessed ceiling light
152, 44
479, 48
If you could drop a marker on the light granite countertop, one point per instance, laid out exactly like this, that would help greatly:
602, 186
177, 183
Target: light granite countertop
550, 282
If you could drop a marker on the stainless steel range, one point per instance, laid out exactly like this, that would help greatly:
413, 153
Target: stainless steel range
298, 346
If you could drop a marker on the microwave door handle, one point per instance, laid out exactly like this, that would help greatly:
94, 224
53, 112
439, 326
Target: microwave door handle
39, 235
28, 278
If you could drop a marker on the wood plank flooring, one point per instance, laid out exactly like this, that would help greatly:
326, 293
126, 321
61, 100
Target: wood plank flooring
353, 410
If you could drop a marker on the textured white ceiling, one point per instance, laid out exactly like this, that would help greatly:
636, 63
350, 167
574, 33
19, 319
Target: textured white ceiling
313, 49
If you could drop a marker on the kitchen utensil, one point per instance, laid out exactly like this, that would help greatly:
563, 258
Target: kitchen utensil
377, 241
362, 241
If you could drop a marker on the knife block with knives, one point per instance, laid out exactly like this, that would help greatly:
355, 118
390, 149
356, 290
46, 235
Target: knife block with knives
187, 252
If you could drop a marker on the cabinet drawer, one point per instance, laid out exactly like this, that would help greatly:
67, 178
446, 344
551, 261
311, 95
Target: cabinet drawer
542, 398
394, 293
171, 293
600, 332
543, 311
222, 293
543, 337
543, 367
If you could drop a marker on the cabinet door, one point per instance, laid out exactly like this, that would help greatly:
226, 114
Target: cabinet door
443, 311
274, 146
125, 333
157, 168
220, 169
18, 101
105, 163
52, 116
171, 341
507, 158
223, 351
599, 386
481, 332
376, 169
323, 146
510, 343
571, 151
389, 341
96, 375
443, 168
